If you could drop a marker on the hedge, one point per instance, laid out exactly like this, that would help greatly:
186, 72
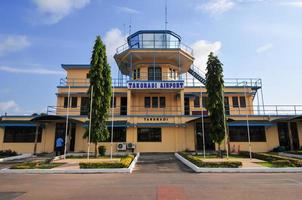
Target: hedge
36, 165
7, 153
124, 163
271, 158
221, 164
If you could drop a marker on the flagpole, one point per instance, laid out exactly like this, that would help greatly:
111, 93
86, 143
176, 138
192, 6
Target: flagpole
89, 129
203, 137
67, 118
247, 123
112, 116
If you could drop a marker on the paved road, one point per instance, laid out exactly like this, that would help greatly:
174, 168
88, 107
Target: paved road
161, 179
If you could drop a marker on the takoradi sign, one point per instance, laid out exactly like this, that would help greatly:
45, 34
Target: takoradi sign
155, 84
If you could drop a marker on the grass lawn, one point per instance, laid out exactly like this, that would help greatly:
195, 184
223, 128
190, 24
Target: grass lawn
36, 165
123, 162
271, 165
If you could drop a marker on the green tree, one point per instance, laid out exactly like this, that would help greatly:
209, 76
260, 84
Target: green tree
100, 84
215, 105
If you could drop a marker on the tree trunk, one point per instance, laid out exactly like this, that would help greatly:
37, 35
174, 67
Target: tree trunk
96, 149
219, 151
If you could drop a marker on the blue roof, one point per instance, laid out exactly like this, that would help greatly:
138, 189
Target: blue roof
75, 66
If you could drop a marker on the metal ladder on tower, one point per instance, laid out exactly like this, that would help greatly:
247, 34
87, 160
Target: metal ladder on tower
198, 74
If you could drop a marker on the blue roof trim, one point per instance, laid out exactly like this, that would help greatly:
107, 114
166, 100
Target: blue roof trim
75, 66
157, 125
251, 123
153, 31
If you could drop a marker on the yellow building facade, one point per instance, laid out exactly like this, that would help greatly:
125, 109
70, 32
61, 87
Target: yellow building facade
159, 105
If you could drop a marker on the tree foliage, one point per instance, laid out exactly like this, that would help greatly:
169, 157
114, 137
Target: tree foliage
100, 84
215, 106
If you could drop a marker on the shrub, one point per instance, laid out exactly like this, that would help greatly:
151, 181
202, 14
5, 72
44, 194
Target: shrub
36, 165
221, 164
102, 150
282, 163
124, 163
270, 158
280, 149
7, 153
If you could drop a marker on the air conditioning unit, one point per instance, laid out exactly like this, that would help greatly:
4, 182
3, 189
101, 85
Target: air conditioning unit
121, 147
130, 146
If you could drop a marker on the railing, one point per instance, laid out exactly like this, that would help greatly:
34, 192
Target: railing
255, 110
189, 81
155, 44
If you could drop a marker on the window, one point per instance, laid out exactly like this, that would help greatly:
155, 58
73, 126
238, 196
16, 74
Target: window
113, 102
154, 102
196, 102
147, 102
21, 134
74, 102
226, 105
84, 106
235, 102
119, 134
154, 73
136, 74
204, 101
149, 134
240, 134
171, 73
162, 102
242, 102
65, 102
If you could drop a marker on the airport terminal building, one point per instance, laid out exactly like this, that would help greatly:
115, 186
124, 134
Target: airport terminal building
158, 106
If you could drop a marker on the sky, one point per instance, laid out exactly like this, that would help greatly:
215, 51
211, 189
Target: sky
252, 38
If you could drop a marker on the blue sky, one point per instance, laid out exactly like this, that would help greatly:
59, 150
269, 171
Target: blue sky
253, 38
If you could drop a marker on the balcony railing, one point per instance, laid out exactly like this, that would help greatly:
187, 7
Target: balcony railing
256, 110
155, 44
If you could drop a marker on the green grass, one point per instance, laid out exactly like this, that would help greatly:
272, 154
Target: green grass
36, 165
271, 165
85, 157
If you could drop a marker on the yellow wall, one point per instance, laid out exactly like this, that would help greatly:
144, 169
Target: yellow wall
46, 144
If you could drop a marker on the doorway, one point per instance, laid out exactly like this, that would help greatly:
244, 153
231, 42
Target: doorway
71, 133
209, 144
187, 106
123, 108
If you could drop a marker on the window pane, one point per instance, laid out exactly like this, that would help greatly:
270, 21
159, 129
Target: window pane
84, 105
235, 102
196, 102
119, 134
148, 40
74, 102
149, 134
242, 102
162, 102
204, 102
154, 102
147, 102
65, 102
21, 134
113, 102
240, 134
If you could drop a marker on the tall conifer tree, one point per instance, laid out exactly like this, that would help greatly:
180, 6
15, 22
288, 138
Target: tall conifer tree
215, 106
100, 84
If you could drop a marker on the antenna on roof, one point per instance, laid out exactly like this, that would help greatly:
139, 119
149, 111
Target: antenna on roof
130, 26
166, 15
125, 37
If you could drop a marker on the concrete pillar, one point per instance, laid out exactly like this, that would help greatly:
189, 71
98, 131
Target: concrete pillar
182, 102
129, 102
290, 135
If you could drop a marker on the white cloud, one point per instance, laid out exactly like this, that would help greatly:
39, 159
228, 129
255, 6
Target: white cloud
13, 43
293, 3
9, 106
217, 6
53, 11
127, 10
113, 39
39, 71
202, 49
264, 48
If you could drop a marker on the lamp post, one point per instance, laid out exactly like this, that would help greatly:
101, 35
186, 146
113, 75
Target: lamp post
67, 121
247, 122
202, 125
112, 116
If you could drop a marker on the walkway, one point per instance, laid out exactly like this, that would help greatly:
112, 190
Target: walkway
159, 163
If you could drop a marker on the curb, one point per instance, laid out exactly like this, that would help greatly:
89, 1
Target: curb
237, 170
15, 157
291, 155
72, 171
